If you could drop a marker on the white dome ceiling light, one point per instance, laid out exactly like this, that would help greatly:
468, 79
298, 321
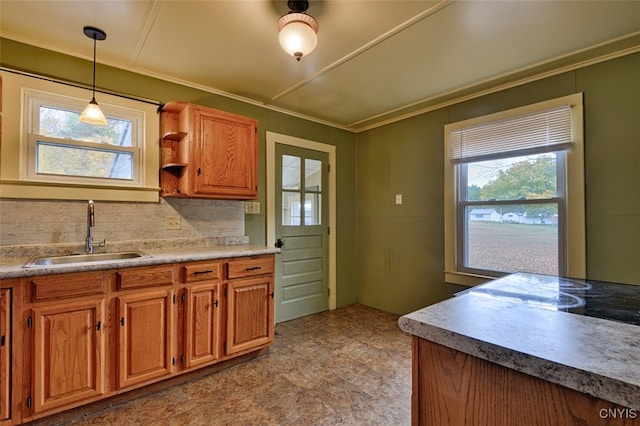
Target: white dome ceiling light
298, 31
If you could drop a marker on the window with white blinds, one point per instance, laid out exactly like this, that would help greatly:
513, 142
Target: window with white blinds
514, 193
536, 133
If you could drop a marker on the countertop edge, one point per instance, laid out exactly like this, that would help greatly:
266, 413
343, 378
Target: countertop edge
13, 267
607, 388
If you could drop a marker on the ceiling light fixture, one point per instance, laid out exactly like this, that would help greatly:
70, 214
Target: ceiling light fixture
298, 31
92, 113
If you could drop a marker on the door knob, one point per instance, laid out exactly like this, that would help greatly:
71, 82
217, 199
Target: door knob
279, 243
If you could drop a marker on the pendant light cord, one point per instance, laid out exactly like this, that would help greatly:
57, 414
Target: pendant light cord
93, 95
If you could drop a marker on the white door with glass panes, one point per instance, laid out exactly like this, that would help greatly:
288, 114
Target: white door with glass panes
301, 231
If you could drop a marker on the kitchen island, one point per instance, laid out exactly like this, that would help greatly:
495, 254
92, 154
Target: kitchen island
527, 349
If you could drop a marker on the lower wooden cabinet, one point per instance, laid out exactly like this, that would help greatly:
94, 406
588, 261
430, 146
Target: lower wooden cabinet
250, 306
5, 354
68, 353
250, 314
145, 336
201, 309
201, 323
91, 335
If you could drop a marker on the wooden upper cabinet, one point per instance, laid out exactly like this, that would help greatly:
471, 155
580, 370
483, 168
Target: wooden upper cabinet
208, 153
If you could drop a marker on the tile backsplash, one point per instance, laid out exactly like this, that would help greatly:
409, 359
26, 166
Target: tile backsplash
28, 222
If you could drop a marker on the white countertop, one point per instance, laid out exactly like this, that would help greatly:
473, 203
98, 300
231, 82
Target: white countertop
12, 267
595, 356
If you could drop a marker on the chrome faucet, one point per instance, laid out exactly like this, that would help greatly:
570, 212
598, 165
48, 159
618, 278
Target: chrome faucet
91, 222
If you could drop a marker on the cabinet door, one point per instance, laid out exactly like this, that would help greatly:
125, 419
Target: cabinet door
5, 352
250, 321
145, 335
225, 154
68, 358
201, 322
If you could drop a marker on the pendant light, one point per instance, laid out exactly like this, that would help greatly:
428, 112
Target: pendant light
92, 113
298, 31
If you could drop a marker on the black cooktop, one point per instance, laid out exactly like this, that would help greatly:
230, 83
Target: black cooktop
611, 301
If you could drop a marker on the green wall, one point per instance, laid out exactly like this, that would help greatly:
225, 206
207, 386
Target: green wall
35, 60
401, 247
392, 256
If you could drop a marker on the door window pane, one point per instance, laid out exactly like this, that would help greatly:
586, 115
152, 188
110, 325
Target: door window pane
291, 208
512, 237
312, 209
290, 172
313, 175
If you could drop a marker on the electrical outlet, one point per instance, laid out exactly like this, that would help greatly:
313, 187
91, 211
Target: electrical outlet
172, 222
252, 207
398, 198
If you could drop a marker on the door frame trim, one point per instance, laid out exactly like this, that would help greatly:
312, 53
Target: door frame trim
272, 139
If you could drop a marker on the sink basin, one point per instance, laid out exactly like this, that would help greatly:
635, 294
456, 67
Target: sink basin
83, 258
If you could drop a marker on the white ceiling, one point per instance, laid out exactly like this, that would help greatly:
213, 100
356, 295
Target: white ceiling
376, 60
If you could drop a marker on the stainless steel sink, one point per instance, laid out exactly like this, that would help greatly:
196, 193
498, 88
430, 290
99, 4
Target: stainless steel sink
83, 258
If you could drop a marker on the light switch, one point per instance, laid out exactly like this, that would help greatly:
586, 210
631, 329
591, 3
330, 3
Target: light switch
398, 198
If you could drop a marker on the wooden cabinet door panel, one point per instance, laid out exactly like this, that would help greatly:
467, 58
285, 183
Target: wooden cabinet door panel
68, 353
5, 352
250, 309
145, 336
225, 154
201, 322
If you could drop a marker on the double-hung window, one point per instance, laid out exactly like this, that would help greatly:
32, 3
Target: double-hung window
47, 153
514, 197
63, 149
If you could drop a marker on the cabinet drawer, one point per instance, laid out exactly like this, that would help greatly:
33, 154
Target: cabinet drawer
145, 277
200, 271
65, 286
249, 266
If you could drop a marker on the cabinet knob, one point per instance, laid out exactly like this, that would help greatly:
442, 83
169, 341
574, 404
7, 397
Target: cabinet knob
199, 171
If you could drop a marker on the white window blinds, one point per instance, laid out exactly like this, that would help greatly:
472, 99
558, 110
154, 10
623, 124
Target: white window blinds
535, 133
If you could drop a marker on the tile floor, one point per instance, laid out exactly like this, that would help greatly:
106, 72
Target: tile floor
350, 366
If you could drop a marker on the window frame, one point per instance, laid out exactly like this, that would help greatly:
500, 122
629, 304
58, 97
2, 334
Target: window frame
21, 93
33, 100
571, 230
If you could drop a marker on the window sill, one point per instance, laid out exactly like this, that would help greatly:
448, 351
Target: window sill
18, 189
469, 280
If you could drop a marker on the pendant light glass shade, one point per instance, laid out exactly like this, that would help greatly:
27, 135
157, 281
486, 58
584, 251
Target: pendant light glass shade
298, 31
92, 114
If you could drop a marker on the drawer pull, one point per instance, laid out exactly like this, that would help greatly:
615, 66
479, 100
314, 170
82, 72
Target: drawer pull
208, 271
99, 325
255, 268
